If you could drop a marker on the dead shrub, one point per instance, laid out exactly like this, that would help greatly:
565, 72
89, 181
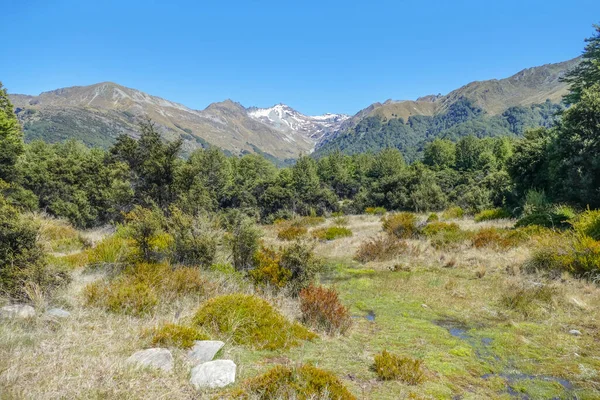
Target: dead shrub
321, 309
382, 248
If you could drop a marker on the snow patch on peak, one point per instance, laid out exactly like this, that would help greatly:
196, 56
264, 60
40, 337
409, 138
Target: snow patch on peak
285, 119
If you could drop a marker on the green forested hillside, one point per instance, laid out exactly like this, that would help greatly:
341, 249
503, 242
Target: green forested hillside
462, 118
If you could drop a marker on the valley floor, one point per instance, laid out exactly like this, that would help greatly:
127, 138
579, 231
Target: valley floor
445, 307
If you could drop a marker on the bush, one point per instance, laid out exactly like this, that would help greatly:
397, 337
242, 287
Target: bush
544, 219
268, 270
489, 215
578, 254
22, 258
588, 223
124, 295
138, 289
146, 229
402, 225
380, 249
291, 232
331, 233
443, 235
243, 240
173, 335
195, 239
498, 238
453, 213
375, 210
433, 217
300, 260
111, 251
392, 367
302, 383
321, 309
250, 320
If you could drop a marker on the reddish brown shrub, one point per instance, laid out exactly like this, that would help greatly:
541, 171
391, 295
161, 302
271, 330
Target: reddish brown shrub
380, 249
321, 308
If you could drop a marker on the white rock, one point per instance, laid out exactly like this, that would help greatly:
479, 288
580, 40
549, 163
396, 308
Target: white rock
154, 358
575, 332
204, 350
17, 311
213, 374
58, 313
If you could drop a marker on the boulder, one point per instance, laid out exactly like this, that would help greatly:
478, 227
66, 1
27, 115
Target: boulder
58, 313
575, 332
213, 374
20, 311
204, 350
154, 358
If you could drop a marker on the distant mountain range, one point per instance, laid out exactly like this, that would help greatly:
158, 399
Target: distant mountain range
97, 114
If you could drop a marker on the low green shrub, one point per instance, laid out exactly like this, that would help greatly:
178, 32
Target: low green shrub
111, 251
322, 310
588, 223
393, 367
375, 210
555, 218
268, 270
22, 257
305, 382
402, 225
383, 248
575, 253
444, 235
174, 335
331, 233
433, 217
489, 215
250, 320
139, 288
453, 213
291, 232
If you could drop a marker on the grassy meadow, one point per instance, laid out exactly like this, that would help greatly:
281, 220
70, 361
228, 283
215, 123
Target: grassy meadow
481, 326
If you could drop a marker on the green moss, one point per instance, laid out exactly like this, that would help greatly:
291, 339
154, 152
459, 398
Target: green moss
250, 320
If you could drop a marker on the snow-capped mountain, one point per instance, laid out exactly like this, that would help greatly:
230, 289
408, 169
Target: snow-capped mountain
285, 119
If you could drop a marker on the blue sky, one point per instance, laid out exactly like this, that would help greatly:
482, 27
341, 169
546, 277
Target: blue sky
316, 56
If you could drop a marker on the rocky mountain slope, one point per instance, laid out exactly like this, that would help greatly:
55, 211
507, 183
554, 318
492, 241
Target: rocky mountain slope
529, 86
96, 114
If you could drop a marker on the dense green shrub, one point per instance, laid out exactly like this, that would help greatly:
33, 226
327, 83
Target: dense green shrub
544, 219
588, 223
321, 309
22, 257
382, 248
393, 367
575, 253
250, 320
173, 335
488, 215
195, 239
304, 382
124, 295
146, 228
402, 225
443, 235
331, 233
243, 241
268, 270
299, 258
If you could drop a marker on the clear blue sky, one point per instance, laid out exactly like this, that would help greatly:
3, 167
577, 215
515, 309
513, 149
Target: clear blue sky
316, 56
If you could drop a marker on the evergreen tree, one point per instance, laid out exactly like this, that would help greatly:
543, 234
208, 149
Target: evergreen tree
11, 138
587, 73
